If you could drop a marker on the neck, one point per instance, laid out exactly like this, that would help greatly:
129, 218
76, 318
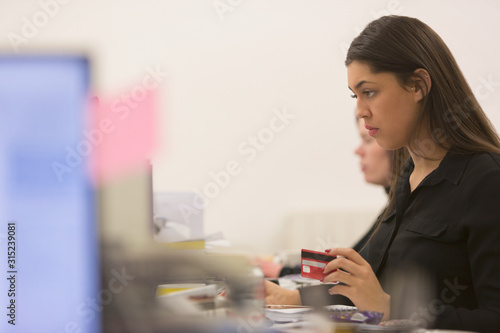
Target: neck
424, 165
427, 162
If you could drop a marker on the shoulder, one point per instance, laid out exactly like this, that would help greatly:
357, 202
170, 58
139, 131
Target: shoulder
482, 176
487, 158
479, 192
484, 163
467, 168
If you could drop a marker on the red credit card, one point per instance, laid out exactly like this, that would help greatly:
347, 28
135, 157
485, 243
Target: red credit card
313, 263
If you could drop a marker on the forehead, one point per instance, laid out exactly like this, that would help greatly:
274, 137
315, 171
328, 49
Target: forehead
359, 73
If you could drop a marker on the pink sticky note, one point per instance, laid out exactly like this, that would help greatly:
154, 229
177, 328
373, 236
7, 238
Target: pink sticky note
123, 134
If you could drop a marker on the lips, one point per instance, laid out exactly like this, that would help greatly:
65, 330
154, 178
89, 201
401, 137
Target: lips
371, 130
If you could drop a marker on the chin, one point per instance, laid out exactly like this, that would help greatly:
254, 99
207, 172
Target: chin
385, 142
388, 145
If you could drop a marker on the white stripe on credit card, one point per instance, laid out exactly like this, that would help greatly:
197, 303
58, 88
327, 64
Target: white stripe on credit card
313, 263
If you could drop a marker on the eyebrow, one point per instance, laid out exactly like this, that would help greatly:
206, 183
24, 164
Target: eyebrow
360, 83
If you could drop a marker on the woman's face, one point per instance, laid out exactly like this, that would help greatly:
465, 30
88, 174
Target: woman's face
388, 110
374, 160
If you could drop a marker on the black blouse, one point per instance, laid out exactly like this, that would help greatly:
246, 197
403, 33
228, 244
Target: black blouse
439, 249
438, 252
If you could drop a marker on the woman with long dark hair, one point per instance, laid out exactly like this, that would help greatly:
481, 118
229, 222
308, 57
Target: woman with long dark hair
440, 232
443, 217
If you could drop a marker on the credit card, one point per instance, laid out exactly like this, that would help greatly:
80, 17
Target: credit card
313, 263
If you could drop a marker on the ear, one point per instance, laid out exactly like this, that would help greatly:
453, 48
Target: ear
422, 83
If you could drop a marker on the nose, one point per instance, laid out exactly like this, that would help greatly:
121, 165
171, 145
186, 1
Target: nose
362, 110
359, 151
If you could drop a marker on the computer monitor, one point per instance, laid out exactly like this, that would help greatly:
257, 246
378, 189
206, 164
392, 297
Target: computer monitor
49, 260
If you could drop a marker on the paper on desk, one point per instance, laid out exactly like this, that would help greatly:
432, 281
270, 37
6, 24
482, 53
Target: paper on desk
295, 281
340, 307
205, 291
216, 240
292, 314
287, 314
210, 242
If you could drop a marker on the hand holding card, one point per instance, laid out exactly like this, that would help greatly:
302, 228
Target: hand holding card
313, 263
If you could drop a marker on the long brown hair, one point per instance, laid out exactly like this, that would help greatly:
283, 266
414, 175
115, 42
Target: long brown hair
400, 45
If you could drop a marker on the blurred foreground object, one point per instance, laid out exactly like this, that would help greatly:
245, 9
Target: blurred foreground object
178, 217
136, 308
47, 202
134, 265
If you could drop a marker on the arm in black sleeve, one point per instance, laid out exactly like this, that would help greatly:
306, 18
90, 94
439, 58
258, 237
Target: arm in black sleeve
483, 243
361, 246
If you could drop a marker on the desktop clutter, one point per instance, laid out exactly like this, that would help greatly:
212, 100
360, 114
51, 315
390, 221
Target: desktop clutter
186, 282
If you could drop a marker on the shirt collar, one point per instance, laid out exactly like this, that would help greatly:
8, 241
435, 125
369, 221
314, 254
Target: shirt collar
451, 168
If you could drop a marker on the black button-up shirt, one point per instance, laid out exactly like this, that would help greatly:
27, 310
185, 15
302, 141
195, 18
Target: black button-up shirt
444, 238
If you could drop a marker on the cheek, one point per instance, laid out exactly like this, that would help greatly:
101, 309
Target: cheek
402, 110
391, 104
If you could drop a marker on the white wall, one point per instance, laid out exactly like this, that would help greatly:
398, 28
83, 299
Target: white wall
227, 73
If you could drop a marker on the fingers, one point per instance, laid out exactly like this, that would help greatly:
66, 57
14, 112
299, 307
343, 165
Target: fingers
349, 260
346, 291
340, 276
345, 268
343, 263
348, 253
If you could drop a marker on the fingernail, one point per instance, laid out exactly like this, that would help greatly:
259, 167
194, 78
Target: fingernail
331, 292
321, 280
328, 250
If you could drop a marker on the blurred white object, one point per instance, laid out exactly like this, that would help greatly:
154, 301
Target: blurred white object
178, 216
288, 258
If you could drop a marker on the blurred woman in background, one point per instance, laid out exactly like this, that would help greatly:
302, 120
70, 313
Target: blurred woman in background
375, 163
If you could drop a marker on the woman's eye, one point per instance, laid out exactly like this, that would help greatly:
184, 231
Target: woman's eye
368, 93
354, 96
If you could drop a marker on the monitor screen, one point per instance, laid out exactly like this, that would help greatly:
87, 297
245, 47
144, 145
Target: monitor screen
49, 260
